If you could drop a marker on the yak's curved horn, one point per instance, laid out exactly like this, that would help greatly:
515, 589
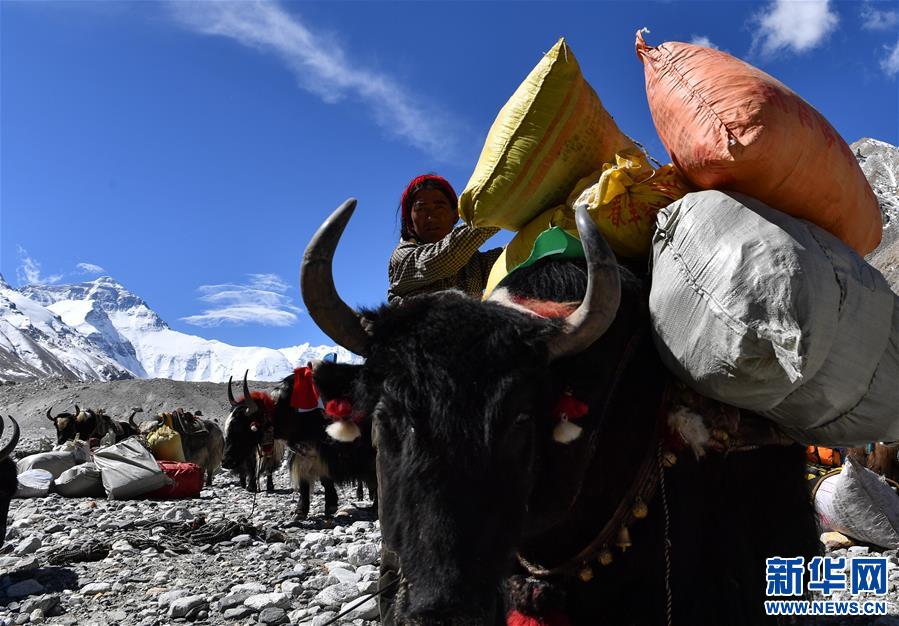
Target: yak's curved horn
50, 417
134, 412
231, 393
77, 410
600, 305
8, 448
247, 398
334, 316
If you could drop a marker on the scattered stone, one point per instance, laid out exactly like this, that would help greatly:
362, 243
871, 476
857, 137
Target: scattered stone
858, 550
250, 587
273, 615
28, 545
239, 612
834, 540
336, 595
166, 599
233, 600
95, 588
28, 587
366, 610
364, 554
266, 600
184, 605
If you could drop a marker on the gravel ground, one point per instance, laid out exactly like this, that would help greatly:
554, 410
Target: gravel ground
146, 572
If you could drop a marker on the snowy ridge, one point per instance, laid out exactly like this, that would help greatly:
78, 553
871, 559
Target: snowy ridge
35, 342
128, 332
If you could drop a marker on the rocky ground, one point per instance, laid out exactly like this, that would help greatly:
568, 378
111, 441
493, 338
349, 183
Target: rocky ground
87, 561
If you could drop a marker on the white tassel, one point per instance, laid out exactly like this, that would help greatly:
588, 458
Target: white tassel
692, 429
566, 432
344, 430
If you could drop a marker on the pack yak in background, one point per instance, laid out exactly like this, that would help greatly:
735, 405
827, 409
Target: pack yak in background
258, 419
88, 424
525, 441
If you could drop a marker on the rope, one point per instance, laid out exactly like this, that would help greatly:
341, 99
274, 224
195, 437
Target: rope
667, 539
362, 601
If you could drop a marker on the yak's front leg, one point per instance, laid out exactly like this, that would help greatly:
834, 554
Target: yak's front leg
303, 506
330, 496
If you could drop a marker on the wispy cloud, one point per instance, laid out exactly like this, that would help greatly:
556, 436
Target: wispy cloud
322, 66
875, 19
890, 63
89, 268
792, 26
260, 300
29, 271
702, 40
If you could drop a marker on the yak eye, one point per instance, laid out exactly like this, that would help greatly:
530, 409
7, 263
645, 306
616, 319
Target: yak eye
522, 418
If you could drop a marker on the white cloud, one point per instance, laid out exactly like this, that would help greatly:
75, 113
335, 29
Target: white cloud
29, 271
793, 26
322, 67
875, 19
260, 301
890, 63
702, 40
89, 268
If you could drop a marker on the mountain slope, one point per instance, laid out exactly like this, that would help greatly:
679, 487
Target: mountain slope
880, 163
132, 333
34, 341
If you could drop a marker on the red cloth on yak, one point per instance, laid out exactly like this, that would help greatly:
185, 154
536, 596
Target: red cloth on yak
304, 396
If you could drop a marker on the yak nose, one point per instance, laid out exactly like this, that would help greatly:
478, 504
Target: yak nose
445, 608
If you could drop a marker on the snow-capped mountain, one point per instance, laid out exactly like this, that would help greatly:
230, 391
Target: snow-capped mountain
127, 332
880, 163
35, 342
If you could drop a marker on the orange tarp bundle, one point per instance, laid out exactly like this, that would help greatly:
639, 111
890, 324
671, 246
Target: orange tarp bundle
730, 126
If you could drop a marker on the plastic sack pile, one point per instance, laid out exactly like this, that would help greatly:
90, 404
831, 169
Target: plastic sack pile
120, 471
754, 233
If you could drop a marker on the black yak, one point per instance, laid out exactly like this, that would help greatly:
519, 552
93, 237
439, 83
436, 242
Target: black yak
8, 480
524, 442
258, 417
91, 426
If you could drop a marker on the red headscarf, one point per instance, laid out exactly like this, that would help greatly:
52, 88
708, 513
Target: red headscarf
414, 186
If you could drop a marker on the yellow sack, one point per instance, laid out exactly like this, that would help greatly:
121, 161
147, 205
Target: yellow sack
625, 196
552, 132
165, 443
623, 199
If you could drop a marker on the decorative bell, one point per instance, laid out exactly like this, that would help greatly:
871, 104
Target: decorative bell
586, 574
640, 509
669, 458
605, 556
624, 539
719, 434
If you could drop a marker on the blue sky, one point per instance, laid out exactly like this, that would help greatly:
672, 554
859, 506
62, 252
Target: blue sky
189, 150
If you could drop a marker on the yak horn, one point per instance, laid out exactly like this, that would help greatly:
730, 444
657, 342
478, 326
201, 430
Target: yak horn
334, 316
77, 410
231, 393
600, 305
8, 448
247, 398
50, 417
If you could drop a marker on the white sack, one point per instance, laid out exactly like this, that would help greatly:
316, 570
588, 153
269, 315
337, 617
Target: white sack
82, 481
860, 504
33, 483
761, 310
128, 470
54, 462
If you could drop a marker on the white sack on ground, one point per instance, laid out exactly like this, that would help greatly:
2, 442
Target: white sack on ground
54, 462
773, 314
860, 504
34, 483
82, 481
128, 470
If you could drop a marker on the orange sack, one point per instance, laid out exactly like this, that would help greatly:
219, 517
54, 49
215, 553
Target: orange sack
730, 126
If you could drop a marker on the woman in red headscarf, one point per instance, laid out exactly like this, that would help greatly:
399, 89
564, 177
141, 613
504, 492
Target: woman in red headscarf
431, 254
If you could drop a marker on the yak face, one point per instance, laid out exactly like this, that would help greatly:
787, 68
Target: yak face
457, 389
454, 387
77, 425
